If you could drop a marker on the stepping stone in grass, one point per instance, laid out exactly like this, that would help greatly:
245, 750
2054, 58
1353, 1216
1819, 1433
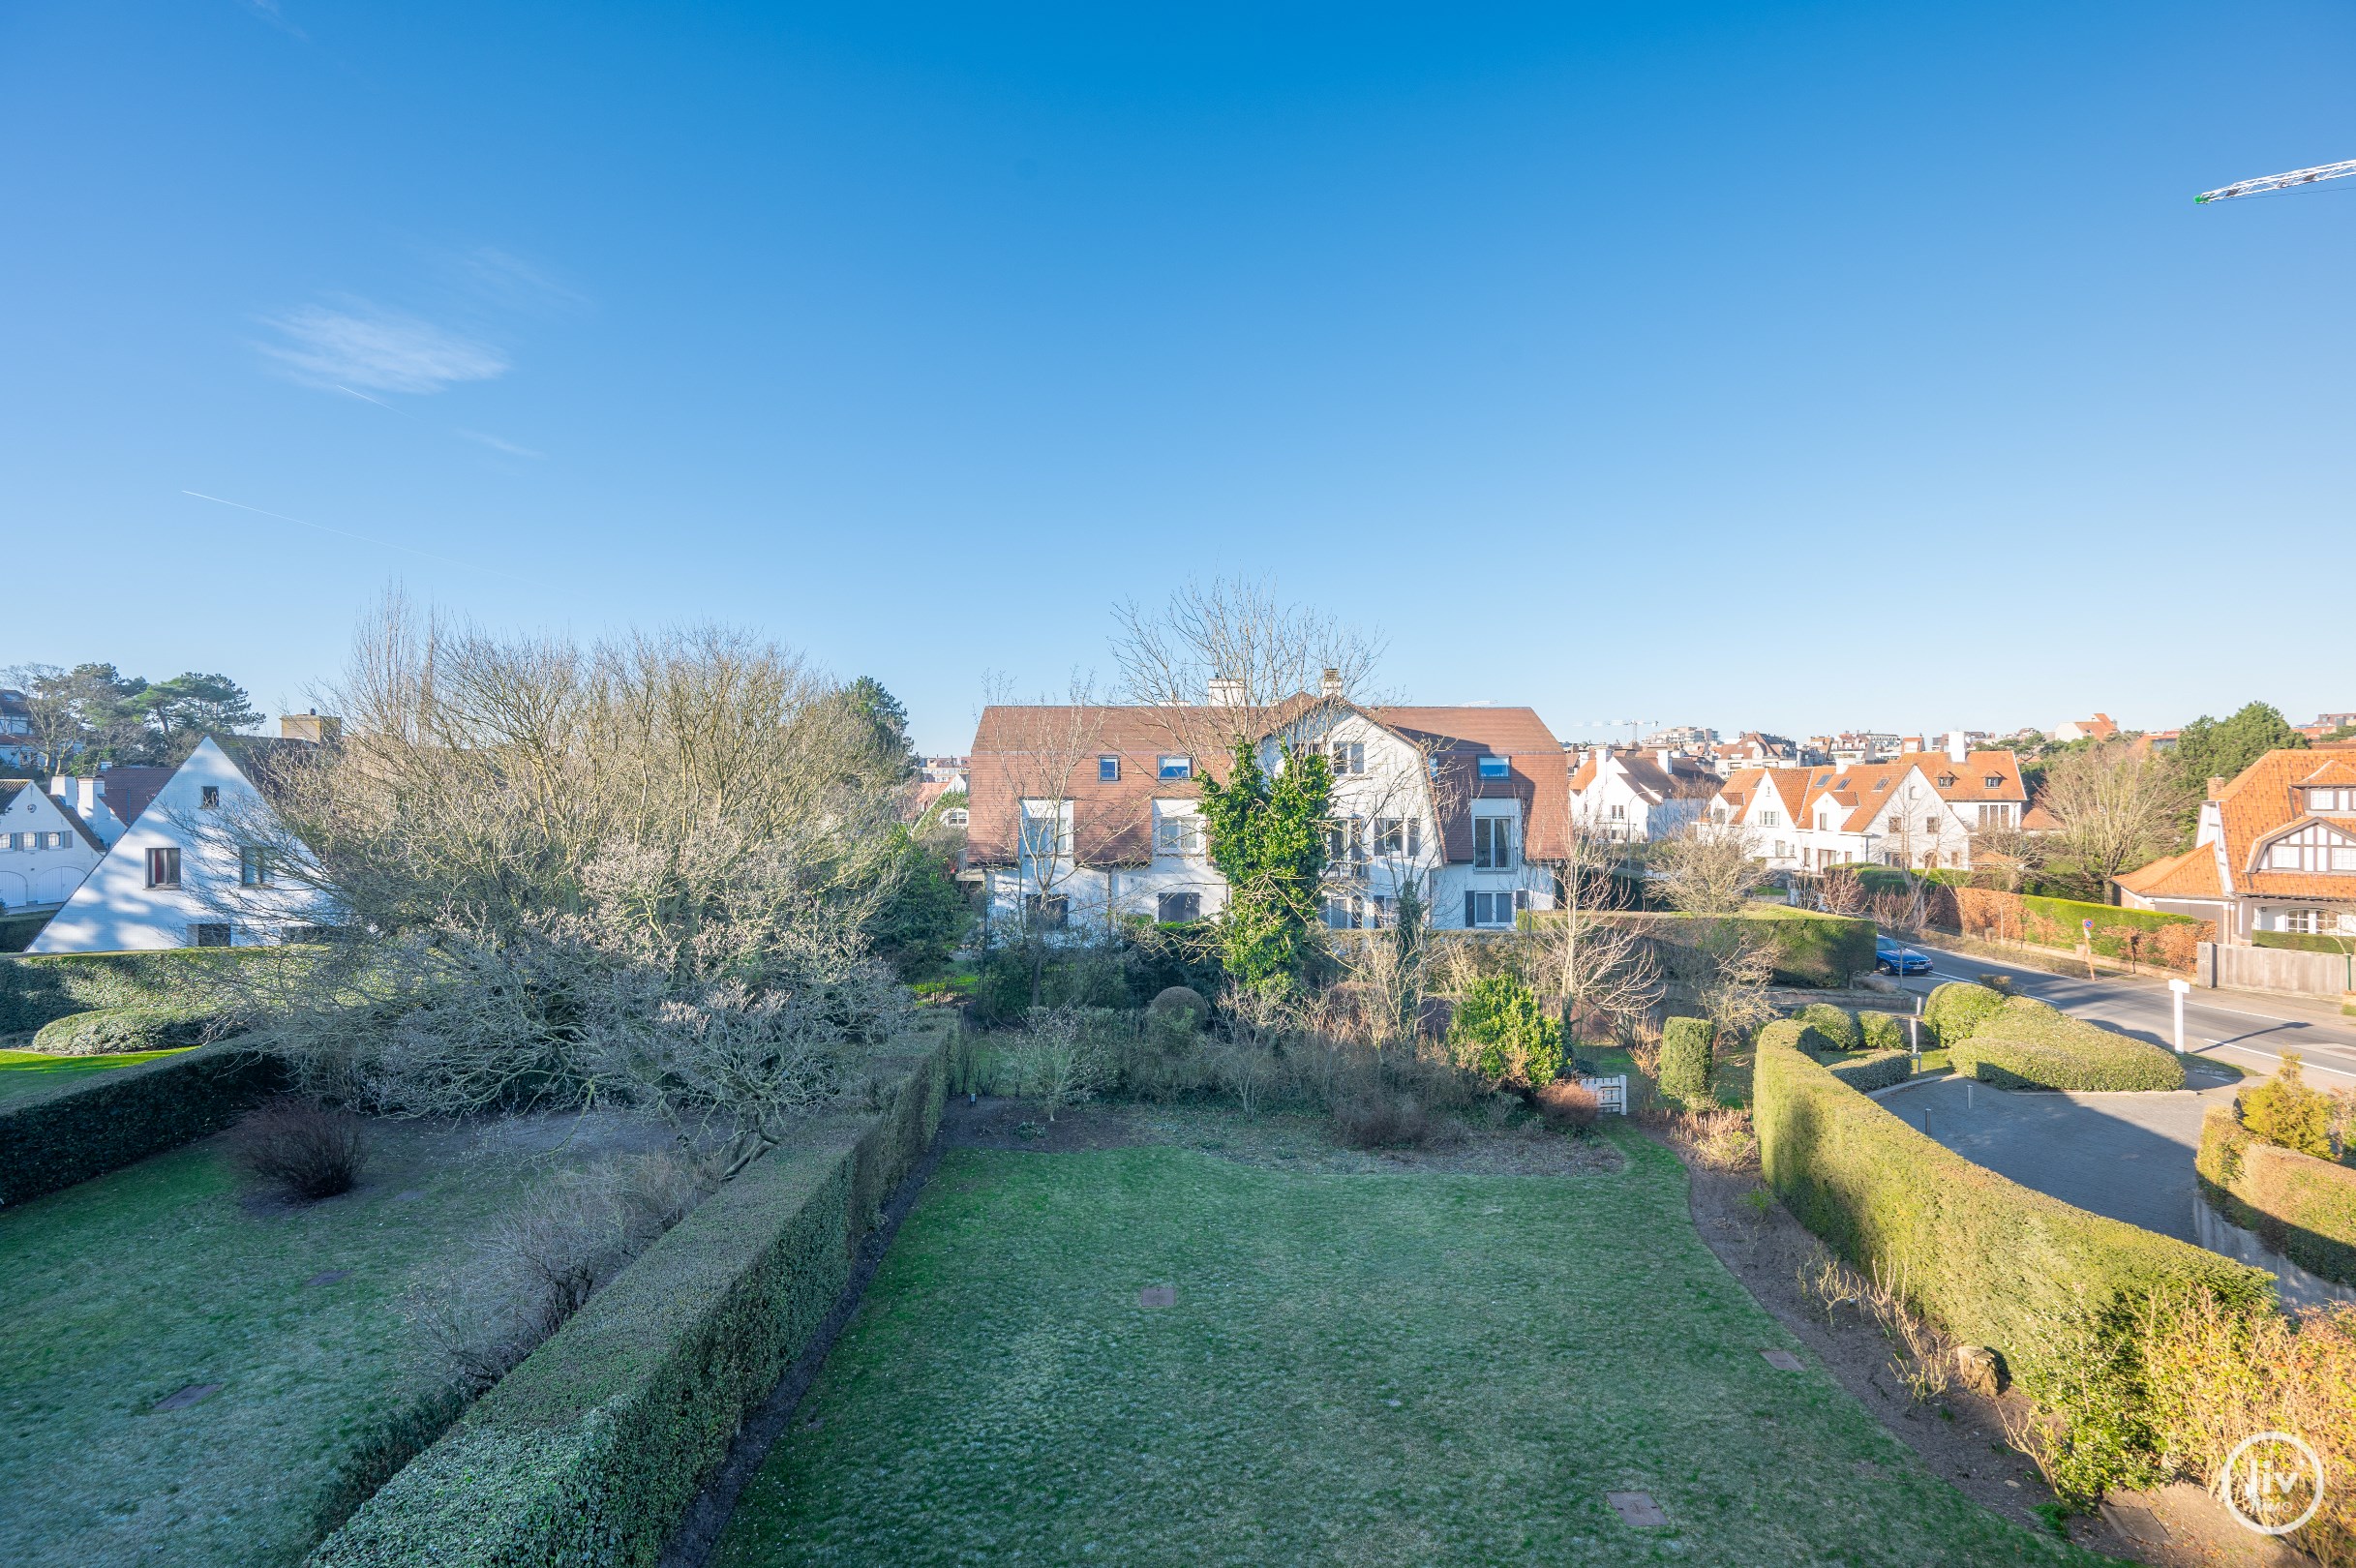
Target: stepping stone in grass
328, 1276
194, 1394
1636, 1508
1158, 1296
406, 1196
2136, 1522
1781, 1360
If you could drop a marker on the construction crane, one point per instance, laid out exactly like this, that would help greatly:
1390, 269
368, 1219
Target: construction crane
2279, 182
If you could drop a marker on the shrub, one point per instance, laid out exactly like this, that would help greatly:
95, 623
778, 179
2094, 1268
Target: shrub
104, 1121
1883, 1032
2030, 1045
1805, 949
1380, 1121
307, 1150
113, 1031
1568, 1105
1987, 1260
1957, 1008
2301, 942
2301, 1206
1838, 1025
1685, 1060
2285, 1112
1181, 1003
1874, 1070
1721, 1139
1503, 1032
590, 1451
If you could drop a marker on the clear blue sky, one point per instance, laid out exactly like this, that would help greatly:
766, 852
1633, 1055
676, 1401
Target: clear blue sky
1784, 366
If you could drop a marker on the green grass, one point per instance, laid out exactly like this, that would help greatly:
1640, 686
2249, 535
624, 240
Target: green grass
130, 1287
23, 1072
1365, 1370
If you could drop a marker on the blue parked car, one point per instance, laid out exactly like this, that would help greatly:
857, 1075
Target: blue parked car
1891, 959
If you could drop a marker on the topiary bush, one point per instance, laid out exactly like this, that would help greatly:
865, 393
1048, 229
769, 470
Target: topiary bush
112, 1031
2284, 1111
1957, 1008
2030, 1045
1838, 1025
1883, 1032
1868, 1071
1685, 1059
1501, 1031
1180, 1003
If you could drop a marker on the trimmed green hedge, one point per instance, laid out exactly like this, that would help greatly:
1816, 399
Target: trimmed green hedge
2303, 1207
113, 1031
1957, 1008
1990, 1262
1838, 1025
40, 988
1884, 1031
1685, 1059
94, 1123
590, 1450
2302, 942
2030, 1045
1821, 951
1873, 1069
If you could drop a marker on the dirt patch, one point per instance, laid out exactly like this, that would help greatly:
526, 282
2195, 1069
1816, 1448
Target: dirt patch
1479, 1144
1958, 1434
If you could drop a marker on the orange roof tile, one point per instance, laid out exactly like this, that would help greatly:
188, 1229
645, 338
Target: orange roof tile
2260, 802
2190, 875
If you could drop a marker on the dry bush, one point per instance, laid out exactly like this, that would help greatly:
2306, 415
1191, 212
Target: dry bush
307, 1150
639, 873
2215, 1377
1720, 1139
546, 1258
1568, 1105
1831, 1283
1380, 1121
1064, 1056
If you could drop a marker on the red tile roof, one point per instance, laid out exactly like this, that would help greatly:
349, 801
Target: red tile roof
2190, 875
2261, 801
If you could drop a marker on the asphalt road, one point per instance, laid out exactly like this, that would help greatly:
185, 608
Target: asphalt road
2253, 1032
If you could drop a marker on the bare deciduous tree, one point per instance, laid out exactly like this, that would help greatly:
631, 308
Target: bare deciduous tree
1709, 868
2118, 805
1218, 657
1607, 970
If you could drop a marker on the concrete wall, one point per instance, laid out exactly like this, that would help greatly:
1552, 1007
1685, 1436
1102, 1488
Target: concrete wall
2293, 1284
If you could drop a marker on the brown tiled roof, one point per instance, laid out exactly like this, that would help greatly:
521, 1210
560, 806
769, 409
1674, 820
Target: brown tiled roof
1016, 748
128, 791
2338, 771
2190, 875
2260, 802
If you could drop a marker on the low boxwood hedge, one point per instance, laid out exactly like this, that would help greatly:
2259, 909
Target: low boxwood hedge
2030, 1044
112, 1031
1838, 1025
1863, 1070
1957, 1008
1868, 1071
1990, 1262
94, 1123
2303, 1207
1884, 1031
590, 1450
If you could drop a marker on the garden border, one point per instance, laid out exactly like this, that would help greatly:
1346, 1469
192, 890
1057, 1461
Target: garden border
94, 1123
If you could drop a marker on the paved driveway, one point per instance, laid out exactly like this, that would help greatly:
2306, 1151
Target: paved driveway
2127, 1155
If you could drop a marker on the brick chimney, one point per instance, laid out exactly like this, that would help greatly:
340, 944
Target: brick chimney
1330, 684
2216, 789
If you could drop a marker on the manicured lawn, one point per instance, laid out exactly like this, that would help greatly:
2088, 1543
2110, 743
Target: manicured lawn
126, 1289
1368, 1369
22, 1073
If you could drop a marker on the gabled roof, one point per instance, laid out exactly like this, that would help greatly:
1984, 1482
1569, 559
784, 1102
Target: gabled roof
2260, 802
10, 787
129, 791
1017, 747
2338, 771
2190, 875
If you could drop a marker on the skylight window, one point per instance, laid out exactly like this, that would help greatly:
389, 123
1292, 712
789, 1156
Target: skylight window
1495, 768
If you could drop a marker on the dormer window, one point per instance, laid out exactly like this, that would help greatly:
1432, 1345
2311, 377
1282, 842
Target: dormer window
2313, 847
1495, 768
2330, 800
1993, 781
1947, 781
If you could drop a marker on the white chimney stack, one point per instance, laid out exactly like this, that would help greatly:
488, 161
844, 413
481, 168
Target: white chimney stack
1227, 691
1958, 749
1330, 684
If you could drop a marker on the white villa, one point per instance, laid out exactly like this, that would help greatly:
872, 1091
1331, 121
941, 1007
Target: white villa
175, 877
1920, 810
1079, 817
46, 849
1641, 797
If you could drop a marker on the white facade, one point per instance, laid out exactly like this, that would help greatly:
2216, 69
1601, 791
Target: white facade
45, 854
1639, 797
87, 800
1904, 813
177, 878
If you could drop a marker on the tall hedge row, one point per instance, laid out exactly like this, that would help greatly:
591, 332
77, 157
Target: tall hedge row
40, 988
2303, 1207
1990, 1262
97, 1122
590, 1450
1823, 950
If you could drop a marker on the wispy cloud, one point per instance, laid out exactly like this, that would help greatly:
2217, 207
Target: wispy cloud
506, 281
498, 445
381, 349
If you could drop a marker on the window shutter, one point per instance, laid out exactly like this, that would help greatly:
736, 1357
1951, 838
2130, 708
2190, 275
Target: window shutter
1469, 922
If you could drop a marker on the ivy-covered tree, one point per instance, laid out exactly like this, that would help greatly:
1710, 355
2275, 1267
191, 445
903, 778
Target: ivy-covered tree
1267, 835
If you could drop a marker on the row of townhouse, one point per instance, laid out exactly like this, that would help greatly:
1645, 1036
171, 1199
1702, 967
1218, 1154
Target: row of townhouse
1641, 797
1082, 817
2274, 851
143, 858
1923, 810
